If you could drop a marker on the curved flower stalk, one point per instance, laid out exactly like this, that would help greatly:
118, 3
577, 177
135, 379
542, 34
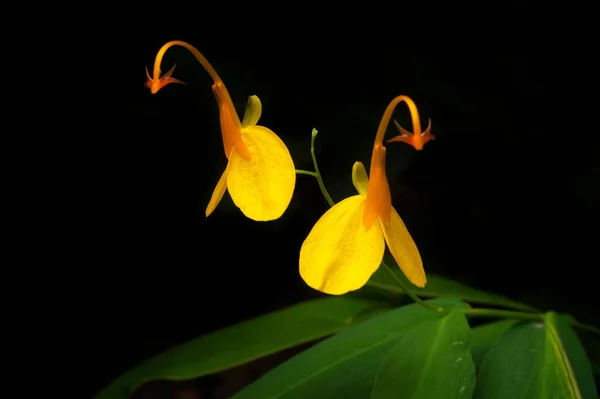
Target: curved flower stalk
346, 245
260, 174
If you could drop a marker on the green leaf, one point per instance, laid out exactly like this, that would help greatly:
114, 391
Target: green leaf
483, 337
247, 341
537, 360
384, 279
430, 361
573, 352
345, 365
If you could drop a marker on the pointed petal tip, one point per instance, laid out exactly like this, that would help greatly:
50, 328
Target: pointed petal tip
218, 192
400, 138
420, 282
404, 250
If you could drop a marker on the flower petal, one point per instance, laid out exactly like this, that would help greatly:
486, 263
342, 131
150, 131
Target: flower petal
360, 178
262, 187
339, 254
217, 195
404, 250
252, 112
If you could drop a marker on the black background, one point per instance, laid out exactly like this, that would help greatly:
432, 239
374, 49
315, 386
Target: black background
505, 199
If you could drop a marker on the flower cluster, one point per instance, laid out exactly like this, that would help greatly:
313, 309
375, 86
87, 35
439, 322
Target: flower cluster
347, 244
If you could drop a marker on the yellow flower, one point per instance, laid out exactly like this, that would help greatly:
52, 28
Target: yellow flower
260, 174
346, 245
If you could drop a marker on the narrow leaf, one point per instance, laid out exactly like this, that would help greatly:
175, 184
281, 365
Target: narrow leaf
247, 341
430, 361
537, 360
345, 365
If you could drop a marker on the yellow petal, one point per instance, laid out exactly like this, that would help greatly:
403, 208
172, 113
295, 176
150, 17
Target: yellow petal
359, 178
252, 112
339, 254
262, 187
217, 195
404, 250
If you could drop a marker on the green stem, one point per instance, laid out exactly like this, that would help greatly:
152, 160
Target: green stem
317, 173
498, 313
394, 289
586, 327
509, 314
408, 292
305, 172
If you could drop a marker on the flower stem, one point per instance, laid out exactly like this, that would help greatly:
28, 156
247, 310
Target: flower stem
585, 327
305, 172
317, 174
499, 313
408, 292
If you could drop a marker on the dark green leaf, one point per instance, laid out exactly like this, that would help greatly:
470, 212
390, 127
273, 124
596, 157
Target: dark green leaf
571, 348
345, 365
247, 341
436, 286
483, 337
430, 361
536, 360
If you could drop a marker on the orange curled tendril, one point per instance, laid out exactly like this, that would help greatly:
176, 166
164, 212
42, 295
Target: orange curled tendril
230, 122
379, 202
